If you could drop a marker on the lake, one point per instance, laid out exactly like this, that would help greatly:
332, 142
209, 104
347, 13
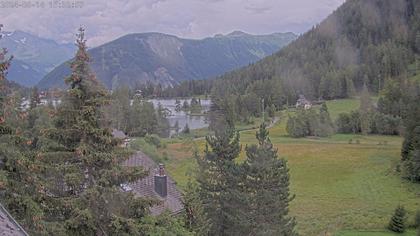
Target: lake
183, 118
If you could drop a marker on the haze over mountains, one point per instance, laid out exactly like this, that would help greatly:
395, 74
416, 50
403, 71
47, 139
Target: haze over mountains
34, 56
363, 42
168, 60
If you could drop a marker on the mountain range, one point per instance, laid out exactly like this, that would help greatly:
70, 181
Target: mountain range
362, 43
160, 58
34, 57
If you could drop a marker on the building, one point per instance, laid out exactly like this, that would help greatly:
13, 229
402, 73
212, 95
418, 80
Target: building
125, 140
8, 225
302, 102
156, 185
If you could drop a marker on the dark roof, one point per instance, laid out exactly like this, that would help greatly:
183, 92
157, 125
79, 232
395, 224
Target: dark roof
118, 134
8, 226
145, 186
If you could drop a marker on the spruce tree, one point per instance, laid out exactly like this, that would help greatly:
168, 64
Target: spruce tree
194, 216
398, 220
16, 181
411, 146
4, 66
218, 181
80, 163
365, 110
326, 127
266, 188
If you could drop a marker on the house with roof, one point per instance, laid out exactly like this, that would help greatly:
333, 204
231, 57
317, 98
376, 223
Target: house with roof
302, 102
156, 185
8, 225
118, 134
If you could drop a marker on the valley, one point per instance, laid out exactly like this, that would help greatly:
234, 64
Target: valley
338, 186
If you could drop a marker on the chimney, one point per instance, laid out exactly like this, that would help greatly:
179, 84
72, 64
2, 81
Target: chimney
161, 182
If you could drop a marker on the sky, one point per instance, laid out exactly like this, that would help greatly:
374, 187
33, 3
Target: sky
106, 20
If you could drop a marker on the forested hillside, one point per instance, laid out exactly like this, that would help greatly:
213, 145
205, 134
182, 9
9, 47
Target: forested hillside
362, 42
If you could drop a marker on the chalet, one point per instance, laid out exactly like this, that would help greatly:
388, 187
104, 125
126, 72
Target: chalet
125, 140
302, 102
156, 185
8, 225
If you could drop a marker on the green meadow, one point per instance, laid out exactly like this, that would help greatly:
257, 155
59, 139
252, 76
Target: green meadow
344, 185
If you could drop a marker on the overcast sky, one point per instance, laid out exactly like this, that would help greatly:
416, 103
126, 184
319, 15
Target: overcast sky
106, 20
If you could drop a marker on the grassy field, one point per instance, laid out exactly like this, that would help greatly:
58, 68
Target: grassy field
375, 233
345, 182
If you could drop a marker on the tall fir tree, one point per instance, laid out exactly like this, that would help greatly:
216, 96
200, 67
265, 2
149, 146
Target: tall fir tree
266, 187
194, 216
398, 220
218, 183
16, 180
411, 146
80, 164
365, 109
326, 127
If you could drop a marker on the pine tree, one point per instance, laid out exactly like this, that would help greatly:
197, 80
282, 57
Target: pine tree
266, 189
4, 65
178, 106
218, 183
16, 180
35, 99
365, 110
194, 216
80, 164
411, 146
417, 220
397, 222
325, 124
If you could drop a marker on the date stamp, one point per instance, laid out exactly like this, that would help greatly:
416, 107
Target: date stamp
47, 4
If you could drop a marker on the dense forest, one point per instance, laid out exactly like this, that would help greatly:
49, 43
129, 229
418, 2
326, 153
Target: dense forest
363, 42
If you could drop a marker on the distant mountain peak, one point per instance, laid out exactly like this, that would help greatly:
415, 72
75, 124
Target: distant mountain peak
166, 59
237, 33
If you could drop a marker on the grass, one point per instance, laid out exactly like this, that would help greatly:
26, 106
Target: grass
375, 233
338, 185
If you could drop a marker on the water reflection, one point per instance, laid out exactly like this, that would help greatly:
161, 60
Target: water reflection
182, 117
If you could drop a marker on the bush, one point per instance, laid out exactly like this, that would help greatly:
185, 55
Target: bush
417, 220
348, 123
149, 149
153, 140
397, 222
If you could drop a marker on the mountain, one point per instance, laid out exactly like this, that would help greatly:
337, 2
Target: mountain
168, 60
34, 57
363, 42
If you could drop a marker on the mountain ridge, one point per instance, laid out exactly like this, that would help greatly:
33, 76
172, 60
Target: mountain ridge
34, 56
167, 59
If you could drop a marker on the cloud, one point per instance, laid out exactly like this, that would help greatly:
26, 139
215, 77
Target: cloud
106, 20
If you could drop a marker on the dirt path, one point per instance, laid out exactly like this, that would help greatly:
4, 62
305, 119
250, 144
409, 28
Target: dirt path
271, 125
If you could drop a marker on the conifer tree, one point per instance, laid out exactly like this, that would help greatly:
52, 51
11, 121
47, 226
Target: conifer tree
365, 110
397, 222
411, 146
326, 127
35, 99
218, 183
81, 165
16, 180
4, 65
194, 216
266, 188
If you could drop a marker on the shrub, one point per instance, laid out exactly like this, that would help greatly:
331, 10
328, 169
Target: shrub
417, 220
397, 222
153, 140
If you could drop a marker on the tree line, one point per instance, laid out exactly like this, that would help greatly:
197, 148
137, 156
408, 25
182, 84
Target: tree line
61, 170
